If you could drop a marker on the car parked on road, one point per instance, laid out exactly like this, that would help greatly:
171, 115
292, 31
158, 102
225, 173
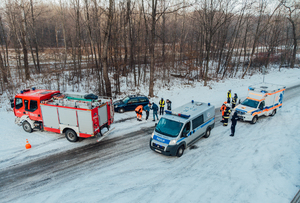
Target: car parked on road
129, 103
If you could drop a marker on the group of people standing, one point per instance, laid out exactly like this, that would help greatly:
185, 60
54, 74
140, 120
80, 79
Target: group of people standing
152, 106
225, 109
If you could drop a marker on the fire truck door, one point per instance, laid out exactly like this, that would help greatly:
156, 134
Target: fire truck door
31, 109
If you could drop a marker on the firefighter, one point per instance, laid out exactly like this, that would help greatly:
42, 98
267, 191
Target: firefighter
233, 123
147, 109
234, 100
222, 109
226, 115
169, 104
228, 96
139, 111
154, 107
161, 106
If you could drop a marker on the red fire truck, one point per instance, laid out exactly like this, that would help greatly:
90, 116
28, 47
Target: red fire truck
75, 114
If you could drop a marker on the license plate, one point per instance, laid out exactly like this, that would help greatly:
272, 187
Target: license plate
157, 151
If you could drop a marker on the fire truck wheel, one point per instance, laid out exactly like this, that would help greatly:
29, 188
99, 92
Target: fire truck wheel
121, 110
27, 127
71, 135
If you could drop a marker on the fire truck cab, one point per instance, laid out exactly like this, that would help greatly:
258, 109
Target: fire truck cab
75, 114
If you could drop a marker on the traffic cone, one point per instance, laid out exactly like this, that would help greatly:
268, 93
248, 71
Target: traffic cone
27, 146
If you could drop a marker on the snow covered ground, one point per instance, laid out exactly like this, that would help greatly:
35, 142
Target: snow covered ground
260, 164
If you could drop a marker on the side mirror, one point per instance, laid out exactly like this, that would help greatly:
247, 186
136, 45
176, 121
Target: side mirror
12, 105
155, 124
184, 134
261, 107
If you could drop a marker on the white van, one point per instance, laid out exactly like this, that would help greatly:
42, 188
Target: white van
262, 100
181, 127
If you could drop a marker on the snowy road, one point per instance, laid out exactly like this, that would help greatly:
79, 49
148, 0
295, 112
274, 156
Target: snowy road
255, 166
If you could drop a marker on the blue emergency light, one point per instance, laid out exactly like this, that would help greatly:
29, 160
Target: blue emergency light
177, 114
250, 88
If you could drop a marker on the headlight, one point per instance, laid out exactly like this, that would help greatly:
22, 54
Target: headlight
116, 106
172, 142
152, 135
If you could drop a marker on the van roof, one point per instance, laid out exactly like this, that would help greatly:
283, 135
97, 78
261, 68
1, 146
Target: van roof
266, 87
188, 110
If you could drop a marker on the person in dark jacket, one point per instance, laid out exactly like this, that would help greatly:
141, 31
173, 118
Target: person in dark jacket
169, 104
154, 107
161, 106
226, 116
234, 100
147, 109
233, 123
228, 96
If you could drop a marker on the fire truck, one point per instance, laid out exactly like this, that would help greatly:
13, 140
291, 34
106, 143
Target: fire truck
74, 114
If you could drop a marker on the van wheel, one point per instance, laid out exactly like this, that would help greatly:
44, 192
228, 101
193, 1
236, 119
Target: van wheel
180, 151
71, 135
121, 110
254, 120
273, 112
27, 127
207, 133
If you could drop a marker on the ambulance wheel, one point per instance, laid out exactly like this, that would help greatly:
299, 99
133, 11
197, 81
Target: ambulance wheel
273, 112
207, 133
71, 135
27, 127
254, 120
121, 110
180, 151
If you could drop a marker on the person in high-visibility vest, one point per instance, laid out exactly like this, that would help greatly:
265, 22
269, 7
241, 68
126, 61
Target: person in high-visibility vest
161, 106
139, 111
228, 96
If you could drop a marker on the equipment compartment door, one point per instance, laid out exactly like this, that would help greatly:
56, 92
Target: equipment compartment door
102, 112
50, 117
85, 122
67, 116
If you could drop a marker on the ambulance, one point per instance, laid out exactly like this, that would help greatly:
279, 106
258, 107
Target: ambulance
181, 127
263, 100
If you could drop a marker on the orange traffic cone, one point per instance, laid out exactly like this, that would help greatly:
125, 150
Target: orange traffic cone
27, 146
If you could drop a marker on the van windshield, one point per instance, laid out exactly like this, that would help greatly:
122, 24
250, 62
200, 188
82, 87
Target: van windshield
250, 103
168, 127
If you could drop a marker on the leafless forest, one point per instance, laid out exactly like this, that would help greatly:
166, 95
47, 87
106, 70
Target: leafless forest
106, 42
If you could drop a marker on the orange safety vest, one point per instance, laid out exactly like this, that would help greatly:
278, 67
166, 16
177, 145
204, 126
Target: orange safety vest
223, 108
139, 109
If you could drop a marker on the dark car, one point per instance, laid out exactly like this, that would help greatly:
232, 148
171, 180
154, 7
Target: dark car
130, 103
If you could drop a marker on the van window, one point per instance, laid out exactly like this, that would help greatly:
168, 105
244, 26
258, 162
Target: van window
143, 100
132, 101
186, 129
197, 122
19, 103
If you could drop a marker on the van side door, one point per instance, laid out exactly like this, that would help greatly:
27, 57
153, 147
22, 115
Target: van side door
132, 104
197, 130
186, 133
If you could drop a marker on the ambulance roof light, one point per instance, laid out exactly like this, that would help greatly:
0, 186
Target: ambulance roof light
21, 92
208, 104
192, 101
33, 88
